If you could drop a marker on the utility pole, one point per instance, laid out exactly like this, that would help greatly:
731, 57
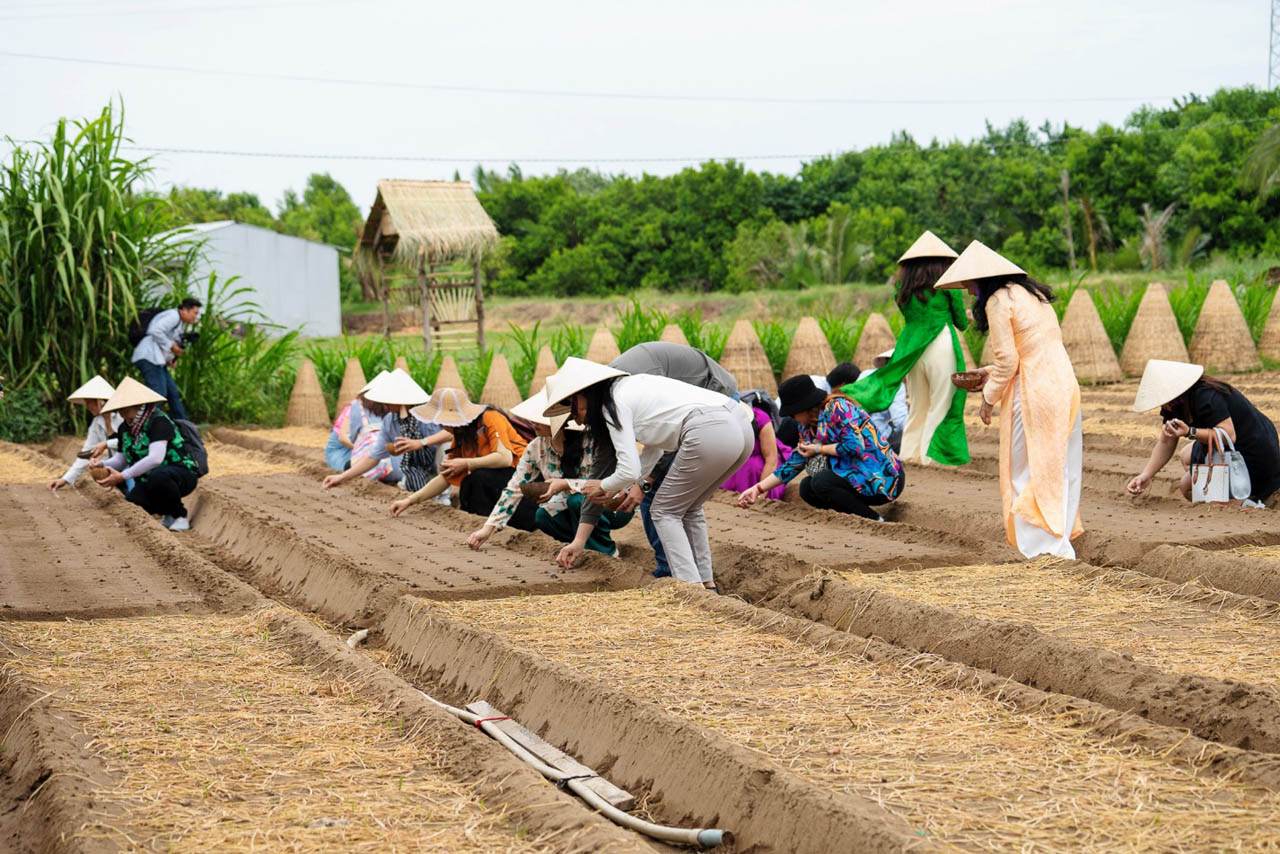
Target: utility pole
1273, 65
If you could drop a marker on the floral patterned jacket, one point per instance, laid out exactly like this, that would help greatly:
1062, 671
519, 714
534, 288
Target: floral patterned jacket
863, 457
540, 461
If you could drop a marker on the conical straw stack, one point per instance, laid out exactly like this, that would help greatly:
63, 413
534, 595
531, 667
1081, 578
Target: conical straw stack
603, 348
810, 353
352, 381
1222, 342
546, 367
673, 334
876, 338
401, 363
744, 357
1269, 345
1153, 335
306, 402
1087, 343
449, 376
500, 387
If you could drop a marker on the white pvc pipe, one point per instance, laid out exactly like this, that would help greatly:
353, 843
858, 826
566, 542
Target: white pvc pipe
699, 838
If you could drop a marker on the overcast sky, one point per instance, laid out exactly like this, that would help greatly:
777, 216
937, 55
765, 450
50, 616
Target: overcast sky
1083, 61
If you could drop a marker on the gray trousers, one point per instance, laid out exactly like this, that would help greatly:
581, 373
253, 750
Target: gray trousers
714, 443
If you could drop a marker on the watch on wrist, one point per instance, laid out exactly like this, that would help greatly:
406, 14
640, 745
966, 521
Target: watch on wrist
646, 486
1191, 432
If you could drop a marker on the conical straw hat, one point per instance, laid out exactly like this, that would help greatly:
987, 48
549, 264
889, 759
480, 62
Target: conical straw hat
1154, 333
928, 245
500, 387
1222, 341
448, 407
977, 262
307, 407
673, 334
95, 389
352, 382
876, 337
532, 410
449, 376
810, 353
546, 367
1087, 343
1162, 381
401, 364
130, 392
364, 388
396, 389
744, 357
604, 347
573, 377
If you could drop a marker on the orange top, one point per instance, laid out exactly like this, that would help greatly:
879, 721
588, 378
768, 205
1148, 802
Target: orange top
494, 428
1026, 343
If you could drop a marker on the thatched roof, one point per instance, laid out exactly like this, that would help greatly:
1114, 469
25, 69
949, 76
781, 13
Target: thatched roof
435, 220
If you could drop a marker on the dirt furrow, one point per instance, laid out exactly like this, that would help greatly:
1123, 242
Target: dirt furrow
961, 759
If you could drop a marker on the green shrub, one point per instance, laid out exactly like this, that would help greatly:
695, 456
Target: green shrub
841, 333
569, 340
526, 362
777, 343
1186, 301
637, 324
1117, 307
1255, 300
27, 415
710, 338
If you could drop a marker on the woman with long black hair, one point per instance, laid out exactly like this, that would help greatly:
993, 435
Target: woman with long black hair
1193, 404
710, 433
926, 354
1041, 440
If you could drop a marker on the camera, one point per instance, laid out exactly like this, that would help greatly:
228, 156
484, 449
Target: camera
186, 339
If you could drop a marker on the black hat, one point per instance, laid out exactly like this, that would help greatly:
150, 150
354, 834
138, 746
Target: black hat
798, 394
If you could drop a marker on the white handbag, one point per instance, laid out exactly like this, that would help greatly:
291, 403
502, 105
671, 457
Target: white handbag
1223, 475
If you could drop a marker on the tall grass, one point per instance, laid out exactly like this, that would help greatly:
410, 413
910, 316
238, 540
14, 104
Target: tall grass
81, 251
637, 324
1255, 300
777, 343
1186, 301
374, 354
842, 333
1117, 307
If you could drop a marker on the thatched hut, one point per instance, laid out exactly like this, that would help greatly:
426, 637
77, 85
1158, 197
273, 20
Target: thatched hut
416, 228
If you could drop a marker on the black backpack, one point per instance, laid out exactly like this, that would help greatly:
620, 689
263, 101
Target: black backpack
138, 329
193, 444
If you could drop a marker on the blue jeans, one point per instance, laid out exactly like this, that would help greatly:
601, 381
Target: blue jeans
336, 454
651, 533
158, 379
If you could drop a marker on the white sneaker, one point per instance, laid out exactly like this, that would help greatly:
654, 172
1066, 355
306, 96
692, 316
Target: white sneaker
180, 524
1251, 504
167, 521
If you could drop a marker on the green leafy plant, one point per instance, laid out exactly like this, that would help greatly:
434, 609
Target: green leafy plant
841, 333
1186, 302
1116, 307
710, 338
569, 340
637, 324
777, 343
526, 362
474, 372
1255, 300
27, 415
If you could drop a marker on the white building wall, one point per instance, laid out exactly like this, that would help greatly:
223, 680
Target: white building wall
293, 281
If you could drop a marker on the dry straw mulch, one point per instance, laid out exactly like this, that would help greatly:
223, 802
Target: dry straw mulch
220, 741
1177, 629
19, 468
225, 460
1264, 552
965, 769
308, 437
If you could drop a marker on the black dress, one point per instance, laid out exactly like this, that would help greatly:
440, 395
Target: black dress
1256, 438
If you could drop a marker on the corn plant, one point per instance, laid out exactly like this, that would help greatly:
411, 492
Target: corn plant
1255, 300
637, 324
777, 343
1117, 307
708, 337
1187, 301
523, 366
569, 340
838, 328
81, 252
474, 372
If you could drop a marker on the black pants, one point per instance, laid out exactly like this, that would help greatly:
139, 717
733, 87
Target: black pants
481, 489
161, 489
827, 490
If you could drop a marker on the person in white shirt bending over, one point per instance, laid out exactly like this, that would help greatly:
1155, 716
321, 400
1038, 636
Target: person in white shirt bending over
710, 433
93, 395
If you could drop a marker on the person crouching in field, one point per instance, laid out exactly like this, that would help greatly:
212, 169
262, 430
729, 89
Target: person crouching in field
710, 434
1193, 404
94, 394
342, 438
861, 470
486, 447
393, 445
559, 455
152, 453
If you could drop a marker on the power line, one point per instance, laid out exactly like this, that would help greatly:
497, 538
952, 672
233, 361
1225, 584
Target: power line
572, 93
473, 158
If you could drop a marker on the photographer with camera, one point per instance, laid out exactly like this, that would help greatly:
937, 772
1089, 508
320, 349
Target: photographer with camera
160, 344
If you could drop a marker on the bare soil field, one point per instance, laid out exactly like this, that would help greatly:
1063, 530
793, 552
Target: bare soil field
909, 685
